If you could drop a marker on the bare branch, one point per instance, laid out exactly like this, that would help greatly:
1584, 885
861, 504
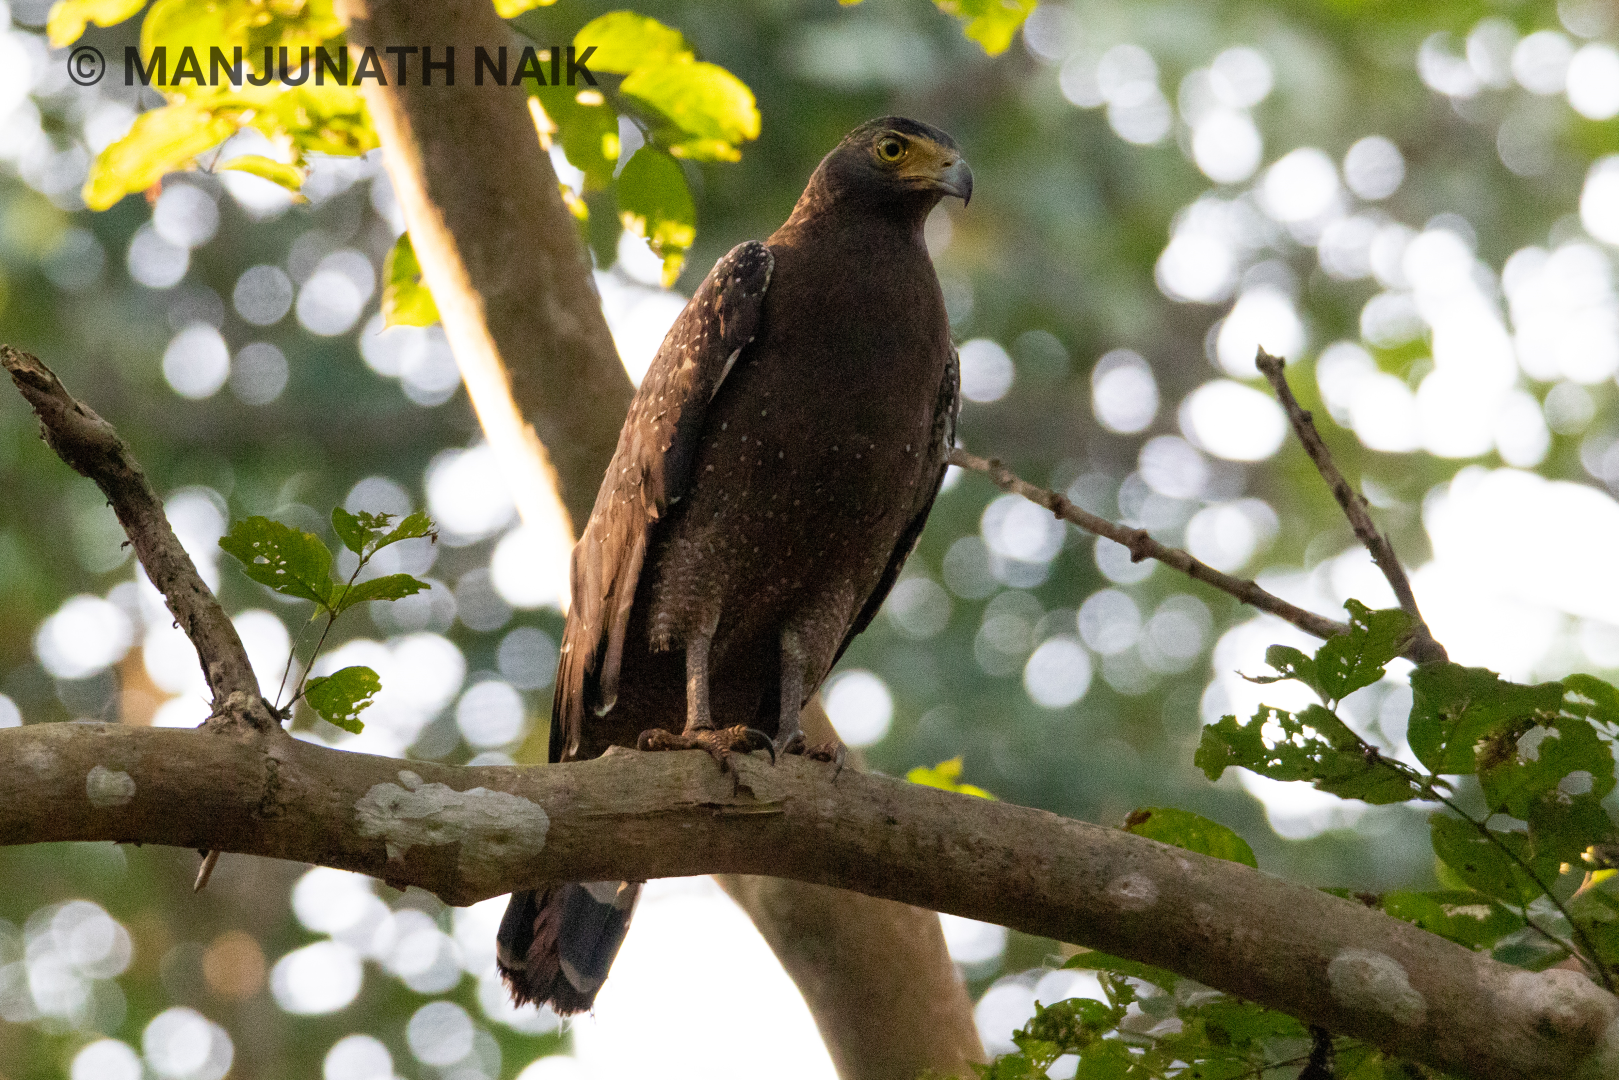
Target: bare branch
468, 833
1424, 649
91, 446
1143, 546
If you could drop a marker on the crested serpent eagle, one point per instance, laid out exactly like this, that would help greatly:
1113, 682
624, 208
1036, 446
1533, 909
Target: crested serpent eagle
775, 470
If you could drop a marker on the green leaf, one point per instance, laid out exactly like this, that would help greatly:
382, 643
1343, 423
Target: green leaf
161, 141
510, 9
388, 587
1589, 696
625, 41
946, 776
1351, 660
701, 99
406, 299
277, 172
1332, 758
991, 23
1454, 708
292, 562
68, 18
340, 697
654, 202
1190, 831
1467, 918
1530, 774
414, 526
587, 130
1093, 960
357, 530
1481, 862
1292, 664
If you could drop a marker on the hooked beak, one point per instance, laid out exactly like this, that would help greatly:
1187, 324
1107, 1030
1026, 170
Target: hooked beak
956, 179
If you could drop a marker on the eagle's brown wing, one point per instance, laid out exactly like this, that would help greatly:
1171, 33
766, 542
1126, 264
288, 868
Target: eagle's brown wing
650, 471
946, 411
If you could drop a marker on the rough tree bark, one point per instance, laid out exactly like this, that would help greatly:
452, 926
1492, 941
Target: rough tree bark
512, 283
467, 833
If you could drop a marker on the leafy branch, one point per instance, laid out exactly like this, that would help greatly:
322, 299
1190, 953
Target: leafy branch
299, 564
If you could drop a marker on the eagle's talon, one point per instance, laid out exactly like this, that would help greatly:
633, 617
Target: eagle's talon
718, 744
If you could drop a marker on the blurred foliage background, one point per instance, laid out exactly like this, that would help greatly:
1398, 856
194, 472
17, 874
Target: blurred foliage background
1412, 202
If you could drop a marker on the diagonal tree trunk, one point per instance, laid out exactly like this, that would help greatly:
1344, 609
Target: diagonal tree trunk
512, 284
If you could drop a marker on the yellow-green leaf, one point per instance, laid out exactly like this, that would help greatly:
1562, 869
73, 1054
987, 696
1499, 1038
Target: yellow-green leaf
68, 18
946, 776
160, 142
991, 23
510, 9
700, 98
277, 172
625, 42
406, 299
654, 202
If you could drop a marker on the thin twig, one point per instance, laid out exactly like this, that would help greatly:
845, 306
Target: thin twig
1143, 546
206, 870
1424, 647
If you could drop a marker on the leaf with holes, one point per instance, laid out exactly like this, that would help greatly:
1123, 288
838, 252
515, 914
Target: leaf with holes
414, 526
1467, 918
1454, 708
1590, 697
340, 697
1184, 829
1291, 663
288, 560
1357, 657
1500, 864
1313, 745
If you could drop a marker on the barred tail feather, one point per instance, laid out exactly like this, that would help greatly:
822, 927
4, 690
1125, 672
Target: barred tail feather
556, 944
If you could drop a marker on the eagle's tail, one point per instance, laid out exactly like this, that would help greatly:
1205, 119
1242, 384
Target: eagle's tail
556, 944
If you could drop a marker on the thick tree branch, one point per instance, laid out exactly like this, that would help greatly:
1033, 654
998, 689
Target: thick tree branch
499, 251
468, 833
1424, 648
91, 446
1143, 546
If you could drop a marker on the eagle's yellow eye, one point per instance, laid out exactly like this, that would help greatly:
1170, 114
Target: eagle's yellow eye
890, 149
